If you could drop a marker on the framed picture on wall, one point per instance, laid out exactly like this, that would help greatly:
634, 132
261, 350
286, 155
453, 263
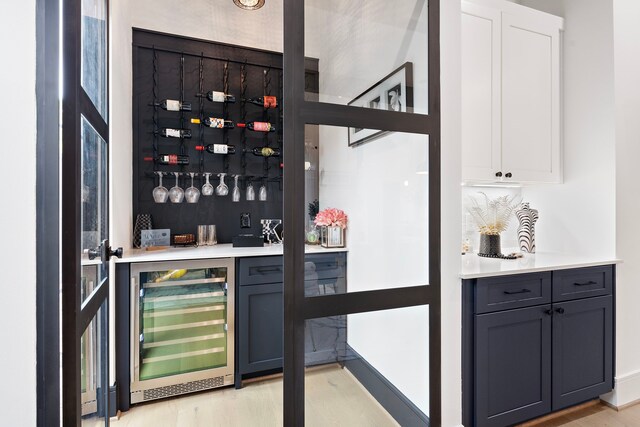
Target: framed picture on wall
393, 93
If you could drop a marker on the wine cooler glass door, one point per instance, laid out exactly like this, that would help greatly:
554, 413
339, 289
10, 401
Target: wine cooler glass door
183, 320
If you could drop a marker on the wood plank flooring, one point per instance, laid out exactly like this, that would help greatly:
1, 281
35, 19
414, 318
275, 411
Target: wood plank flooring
333, 398
598, 415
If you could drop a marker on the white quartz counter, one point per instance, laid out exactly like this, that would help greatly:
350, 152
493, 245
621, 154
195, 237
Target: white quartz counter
474, 266
210, 252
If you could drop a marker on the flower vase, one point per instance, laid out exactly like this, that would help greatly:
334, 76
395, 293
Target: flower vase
332, 237
490, 245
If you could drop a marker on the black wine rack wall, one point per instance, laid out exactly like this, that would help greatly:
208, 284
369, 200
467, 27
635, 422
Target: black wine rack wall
179, 68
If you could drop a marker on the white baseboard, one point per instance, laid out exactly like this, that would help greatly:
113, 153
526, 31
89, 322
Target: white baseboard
626, 391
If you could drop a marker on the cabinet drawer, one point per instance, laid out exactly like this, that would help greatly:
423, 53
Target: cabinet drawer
507, 292
582, 283
329, 266
261, 270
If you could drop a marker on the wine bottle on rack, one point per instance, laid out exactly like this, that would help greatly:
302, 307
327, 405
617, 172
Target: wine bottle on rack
266, 101
173, 105
215, 96
169, 159
214, 122
174, 133
264, 152
217, 148
258, 126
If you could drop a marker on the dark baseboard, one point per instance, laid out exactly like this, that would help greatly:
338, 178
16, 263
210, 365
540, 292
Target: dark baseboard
113, 400
392, 400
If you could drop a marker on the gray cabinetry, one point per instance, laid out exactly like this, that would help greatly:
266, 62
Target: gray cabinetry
535, 343
582, 350
513, 365
260, 313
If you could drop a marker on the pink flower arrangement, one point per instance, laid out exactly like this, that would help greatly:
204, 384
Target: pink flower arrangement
331, 217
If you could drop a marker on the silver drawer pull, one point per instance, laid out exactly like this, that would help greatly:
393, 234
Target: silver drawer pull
523, 291
590, 282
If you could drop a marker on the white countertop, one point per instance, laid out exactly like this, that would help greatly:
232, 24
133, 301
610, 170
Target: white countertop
474, 266
210, 252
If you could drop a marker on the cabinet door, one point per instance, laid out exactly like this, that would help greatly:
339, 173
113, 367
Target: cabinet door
530, 99
512, 366
582, 350
480, 92
260, 327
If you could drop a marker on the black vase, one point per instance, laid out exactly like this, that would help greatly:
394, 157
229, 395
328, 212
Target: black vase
143, 222
490, 244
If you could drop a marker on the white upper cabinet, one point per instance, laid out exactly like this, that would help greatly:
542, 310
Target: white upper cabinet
510, 93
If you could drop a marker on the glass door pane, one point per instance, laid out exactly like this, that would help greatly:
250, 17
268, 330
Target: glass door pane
94, 53
94, 374
382, 187
94, 196
183, 321
371, 54
368, 369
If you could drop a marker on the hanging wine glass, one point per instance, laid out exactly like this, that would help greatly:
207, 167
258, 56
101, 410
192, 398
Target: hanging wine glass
160, 193
222, 189
192, 194
262, 193
207, 188
250, 193
235, 196
176, 194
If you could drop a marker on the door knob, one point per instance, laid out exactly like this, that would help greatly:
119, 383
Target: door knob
499, 174
560, 310
548, 312
508, 175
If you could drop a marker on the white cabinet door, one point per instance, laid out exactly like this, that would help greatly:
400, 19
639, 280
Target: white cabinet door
530, 100
481, 64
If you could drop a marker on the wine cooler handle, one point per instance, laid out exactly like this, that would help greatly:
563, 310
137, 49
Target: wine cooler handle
133, 304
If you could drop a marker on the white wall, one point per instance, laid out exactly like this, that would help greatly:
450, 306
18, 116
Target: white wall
626, 15
18, 214
451, 156
579, 215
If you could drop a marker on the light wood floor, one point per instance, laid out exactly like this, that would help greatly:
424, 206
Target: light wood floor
333, 398
598, 415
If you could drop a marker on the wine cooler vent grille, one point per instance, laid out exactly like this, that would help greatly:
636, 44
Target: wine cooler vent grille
177, 389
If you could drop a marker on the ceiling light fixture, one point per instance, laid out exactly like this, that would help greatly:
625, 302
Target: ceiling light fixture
249, 4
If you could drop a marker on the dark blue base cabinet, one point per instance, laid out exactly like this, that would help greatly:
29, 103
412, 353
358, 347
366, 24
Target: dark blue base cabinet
260, 313
536, 343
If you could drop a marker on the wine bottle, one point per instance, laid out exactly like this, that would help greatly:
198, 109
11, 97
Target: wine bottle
258, 126
214, 122
265, 102
264, 152
175, 133
217, 148
173, 105
169, 159
215, 96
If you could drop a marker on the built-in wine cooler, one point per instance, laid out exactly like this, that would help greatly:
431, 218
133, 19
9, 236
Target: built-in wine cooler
182, 327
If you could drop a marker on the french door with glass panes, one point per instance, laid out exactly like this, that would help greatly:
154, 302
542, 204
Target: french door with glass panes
85, 249
376, 113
